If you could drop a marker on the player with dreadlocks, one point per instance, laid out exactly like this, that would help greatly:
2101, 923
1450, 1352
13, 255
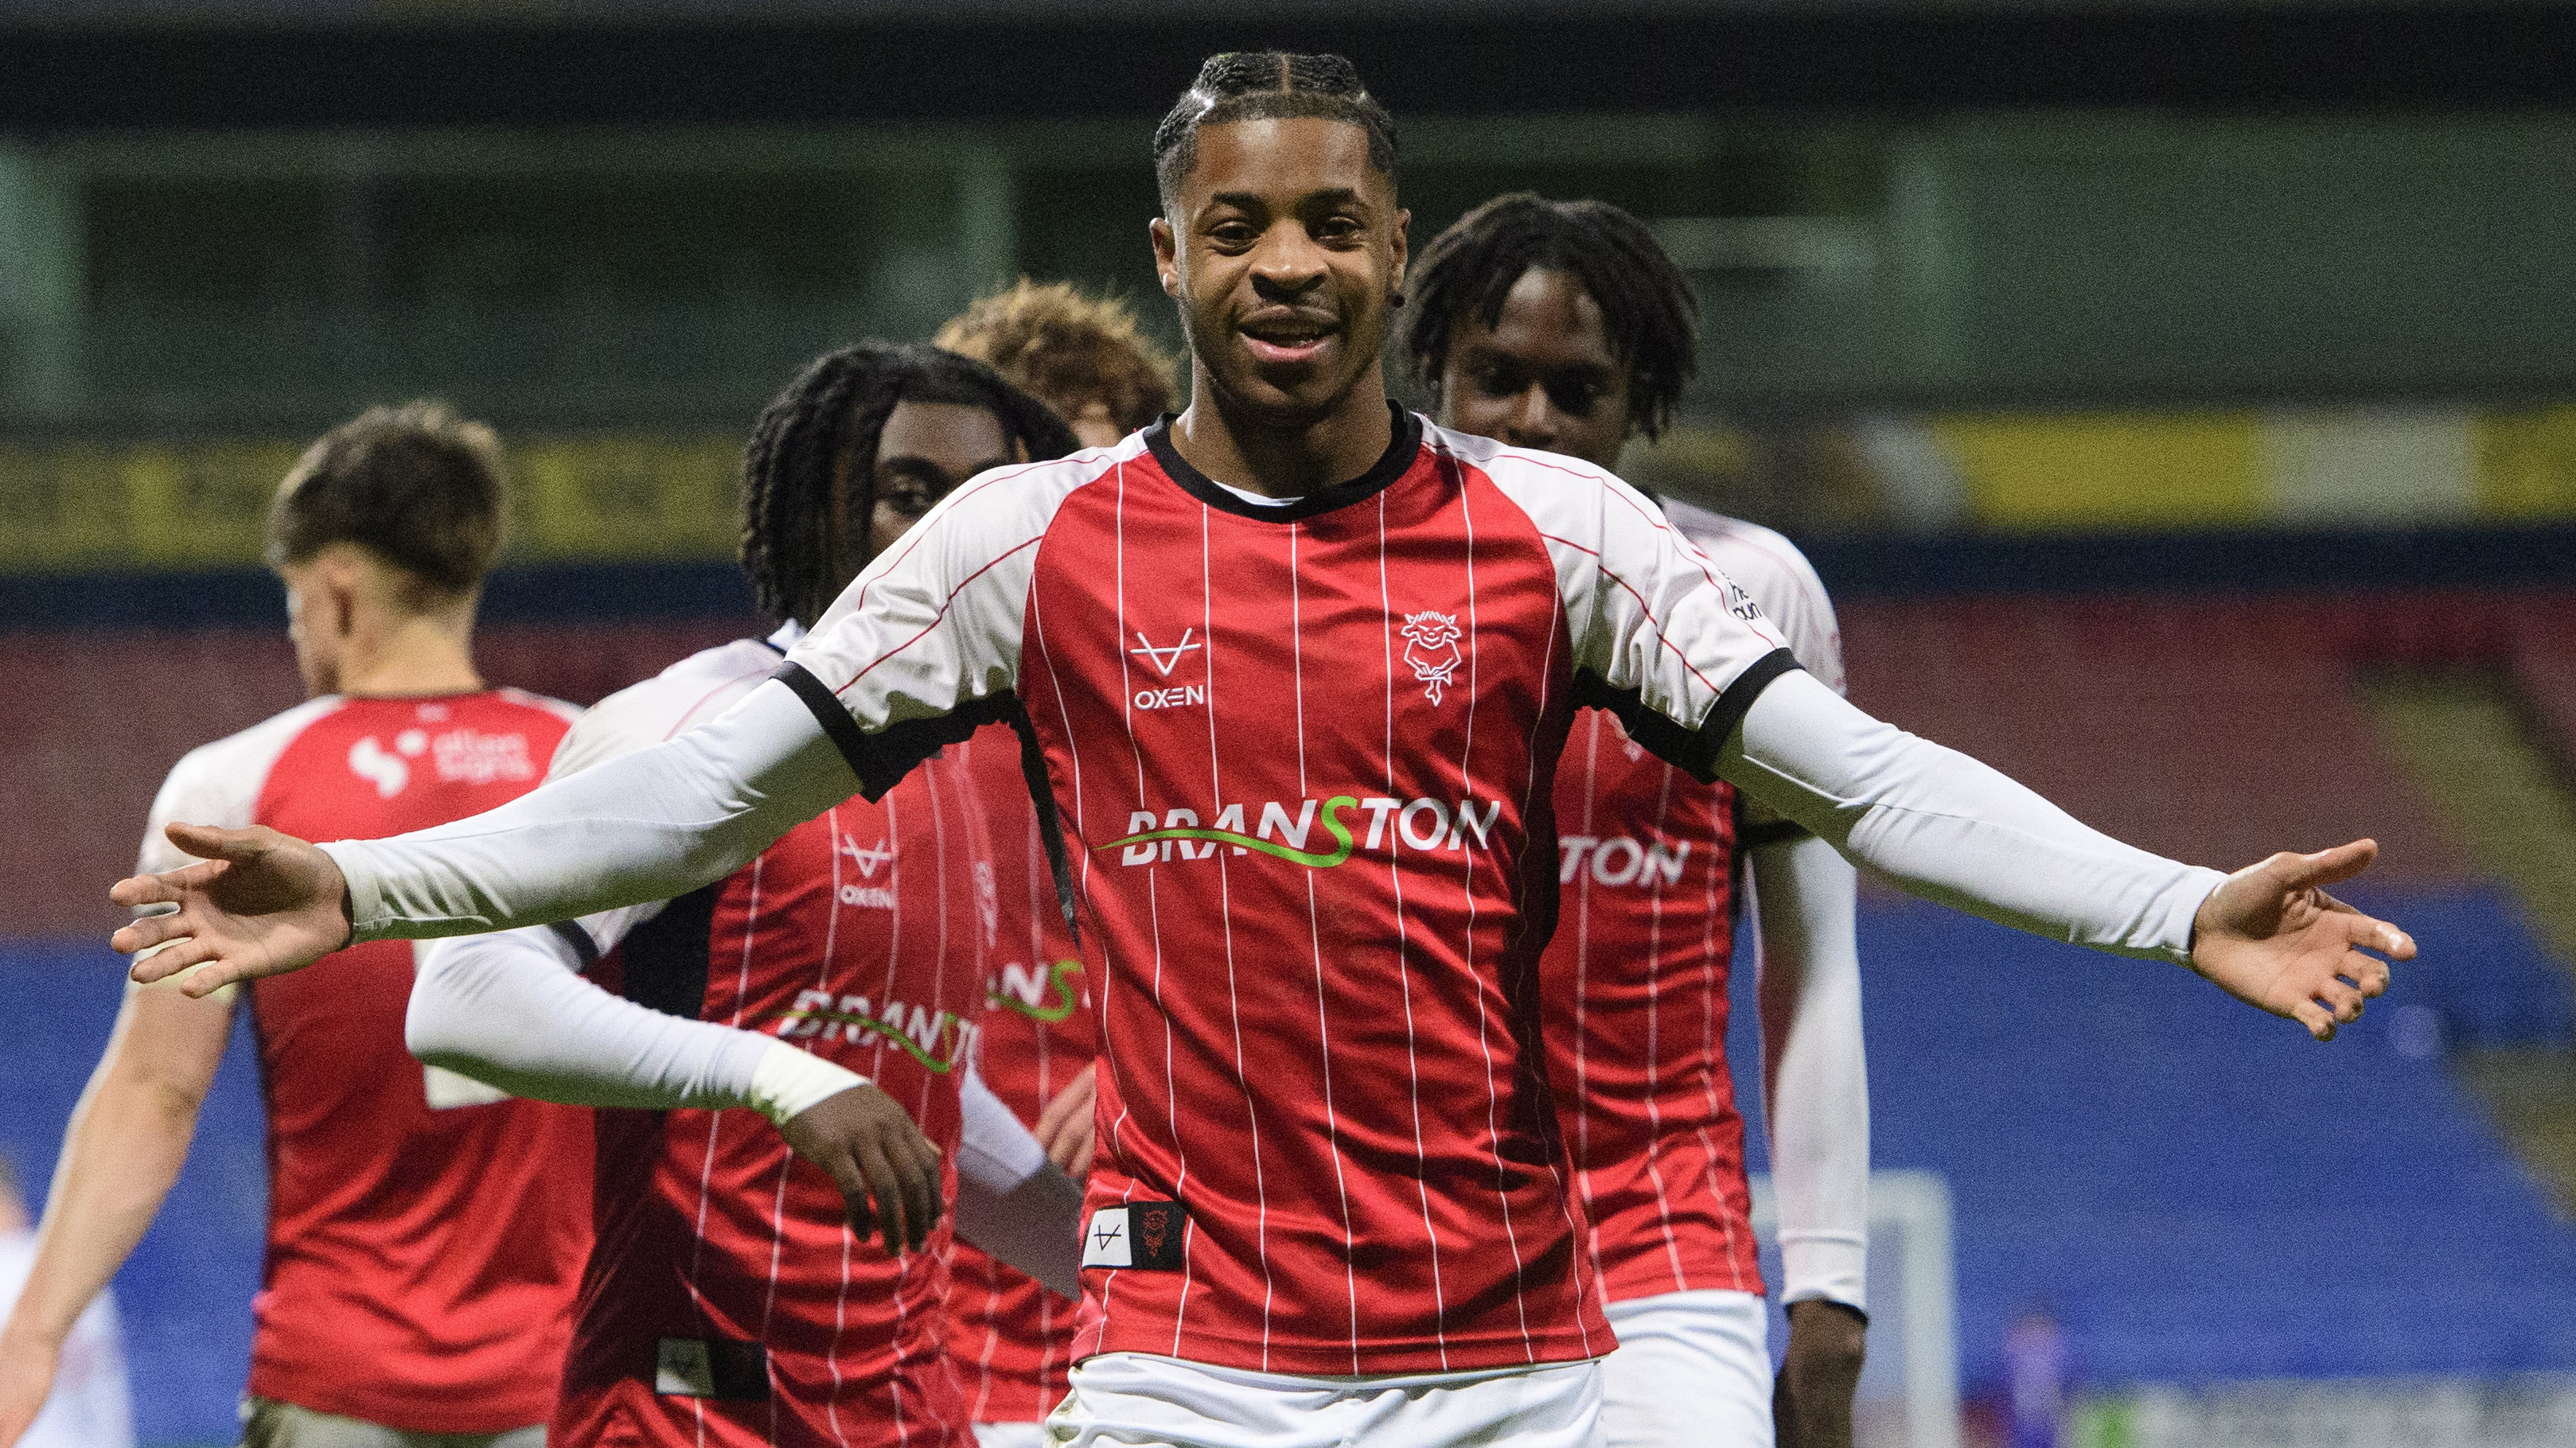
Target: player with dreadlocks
835, 983
1563, 326
1300, 665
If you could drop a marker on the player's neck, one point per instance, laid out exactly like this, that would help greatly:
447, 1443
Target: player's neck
1244, 447
409, 657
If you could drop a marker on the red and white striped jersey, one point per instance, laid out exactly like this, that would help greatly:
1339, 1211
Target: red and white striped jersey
1302, 758
424, 1232
1636, 978
1011, 1338
728, 1301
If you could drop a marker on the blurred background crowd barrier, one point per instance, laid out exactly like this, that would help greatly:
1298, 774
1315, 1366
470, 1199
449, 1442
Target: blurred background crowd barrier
2180, 401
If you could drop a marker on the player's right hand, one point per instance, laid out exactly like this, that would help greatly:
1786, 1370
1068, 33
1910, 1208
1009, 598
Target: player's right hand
26, 1378
263, 903
873, 1150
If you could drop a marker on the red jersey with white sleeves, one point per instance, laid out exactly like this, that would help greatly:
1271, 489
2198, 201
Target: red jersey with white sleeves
1302, 758
424, 1232
1636, 977
1011, 1338
728, 1301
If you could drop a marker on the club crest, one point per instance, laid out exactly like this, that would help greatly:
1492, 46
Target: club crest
1431, 647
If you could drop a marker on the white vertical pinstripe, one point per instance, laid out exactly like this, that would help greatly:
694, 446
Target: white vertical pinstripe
1529, 801
1722, 845
1127, 712
822, 982
1403, 969
1315, 936
1225, 917
1456, 477
1654, 1032
894, 957
715, 1119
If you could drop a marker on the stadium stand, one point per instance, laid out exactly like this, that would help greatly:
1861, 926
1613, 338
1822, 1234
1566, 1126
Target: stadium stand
2198, 1193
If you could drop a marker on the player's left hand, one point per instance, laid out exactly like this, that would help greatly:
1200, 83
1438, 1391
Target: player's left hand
1064, 1127
872, 1149
1811, 1399
2272, 937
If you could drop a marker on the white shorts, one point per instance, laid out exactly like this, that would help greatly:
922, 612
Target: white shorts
1139, 1400
1010, 1435
1693, 1368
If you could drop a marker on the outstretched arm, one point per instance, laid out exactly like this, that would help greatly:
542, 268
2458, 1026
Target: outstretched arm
128, 1138
648, 826
1953, 830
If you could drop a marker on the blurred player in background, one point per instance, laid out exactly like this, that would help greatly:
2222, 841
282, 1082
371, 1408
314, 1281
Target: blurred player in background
836, 983
1080, 355
425, 1233
1013, 1339
1563, 326
1317, 867
88, 1406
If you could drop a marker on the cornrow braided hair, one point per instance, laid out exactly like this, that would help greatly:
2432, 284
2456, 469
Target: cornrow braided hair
835, 410
1646, 303
1257, 85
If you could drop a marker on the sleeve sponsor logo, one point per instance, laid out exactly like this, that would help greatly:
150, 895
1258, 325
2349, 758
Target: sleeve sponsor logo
1423, 824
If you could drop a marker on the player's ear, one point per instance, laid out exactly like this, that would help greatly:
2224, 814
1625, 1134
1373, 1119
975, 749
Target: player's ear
1403, 245
1167, 256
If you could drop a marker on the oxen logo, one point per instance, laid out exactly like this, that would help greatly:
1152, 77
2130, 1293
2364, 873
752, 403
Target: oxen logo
866, 859
1431, 647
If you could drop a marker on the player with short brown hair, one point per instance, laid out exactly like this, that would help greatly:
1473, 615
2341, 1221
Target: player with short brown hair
425, 1233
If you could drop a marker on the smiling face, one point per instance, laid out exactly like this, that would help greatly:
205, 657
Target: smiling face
1543, 376
1282, 247
925, 450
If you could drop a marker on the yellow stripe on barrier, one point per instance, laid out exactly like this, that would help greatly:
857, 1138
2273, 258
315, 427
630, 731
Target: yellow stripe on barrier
2109, 471
83, 505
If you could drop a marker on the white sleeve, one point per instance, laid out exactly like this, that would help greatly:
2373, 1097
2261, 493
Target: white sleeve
512, 1010
1952, 830
1660, 637
994, 1150
1011, 1201
649, 826
919, 651
1815, 1077
923, 647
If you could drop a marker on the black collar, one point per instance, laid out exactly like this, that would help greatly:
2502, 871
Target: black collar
1391, 465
